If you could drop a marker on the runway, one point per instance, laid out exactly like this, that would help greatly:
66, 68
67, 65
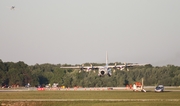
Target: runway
147, 88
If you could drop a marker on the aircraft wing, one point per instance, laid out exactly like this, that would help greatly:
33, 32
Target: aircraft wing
125, 66
82, 67
75, 67
121, 67
116, 66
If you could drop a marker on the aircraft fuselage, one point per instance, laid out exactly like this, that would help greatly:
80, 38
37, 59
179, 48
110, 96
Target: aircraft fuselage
104, 71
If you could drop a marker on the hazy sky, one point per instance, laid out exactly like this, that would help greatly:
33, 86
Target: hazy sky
79, 31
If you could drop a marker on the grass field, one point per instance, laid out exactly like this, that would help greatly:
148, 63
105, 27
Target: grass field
89, 98
88, 103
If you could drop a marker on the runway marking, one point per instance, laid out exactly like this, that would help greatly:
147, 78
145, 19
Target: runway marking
105, 100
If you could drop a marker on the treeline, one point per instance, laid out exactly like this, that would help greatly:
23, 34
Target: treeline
21, 74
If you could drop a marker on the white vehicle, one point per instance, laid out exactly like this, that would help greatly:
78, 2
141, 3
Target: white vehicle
159, 88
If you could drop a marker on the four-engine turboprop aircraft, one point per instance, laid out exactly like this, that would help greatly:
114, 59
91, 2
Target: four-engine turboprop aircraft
103, 70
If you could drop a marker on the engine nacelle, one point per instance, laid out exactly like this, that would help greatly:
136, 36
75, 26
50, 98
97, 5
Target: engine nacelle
101, 72
88, 69
109, 72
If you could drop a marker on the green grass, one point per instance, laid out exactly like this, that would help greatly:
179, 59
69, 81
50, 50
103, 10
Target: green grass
162, 98
95, 103
88, 95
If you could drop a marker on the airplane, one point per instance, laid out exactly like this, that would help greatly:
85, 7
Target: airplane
102, 70
13, 7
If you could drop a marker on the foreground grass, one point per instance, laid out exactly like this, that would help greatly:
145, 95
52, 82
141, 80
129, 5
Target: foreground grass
87, 103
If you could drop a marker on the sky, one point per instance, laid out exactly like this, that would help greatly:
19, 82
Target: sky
80, 31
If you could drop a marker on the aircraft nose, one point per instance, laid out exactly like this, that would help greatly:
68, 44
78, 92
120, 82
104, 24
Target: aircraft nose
102, 72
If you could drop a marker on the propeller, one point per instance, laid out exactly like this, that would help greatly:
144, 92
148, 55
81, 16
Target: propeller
126, 67
81, 67
91, 66
115, 64
87, 68
114, 71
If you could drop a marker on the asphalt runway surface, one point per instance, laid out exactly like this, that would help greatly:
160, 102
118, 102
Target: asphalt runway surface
147, 88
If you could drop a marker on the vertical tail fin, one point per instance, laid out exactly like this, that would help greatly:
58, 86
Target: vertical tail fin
106, 59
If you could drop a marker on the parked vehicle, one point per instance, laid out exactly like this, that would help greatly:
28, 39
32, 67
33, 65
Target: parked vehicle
159, 88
